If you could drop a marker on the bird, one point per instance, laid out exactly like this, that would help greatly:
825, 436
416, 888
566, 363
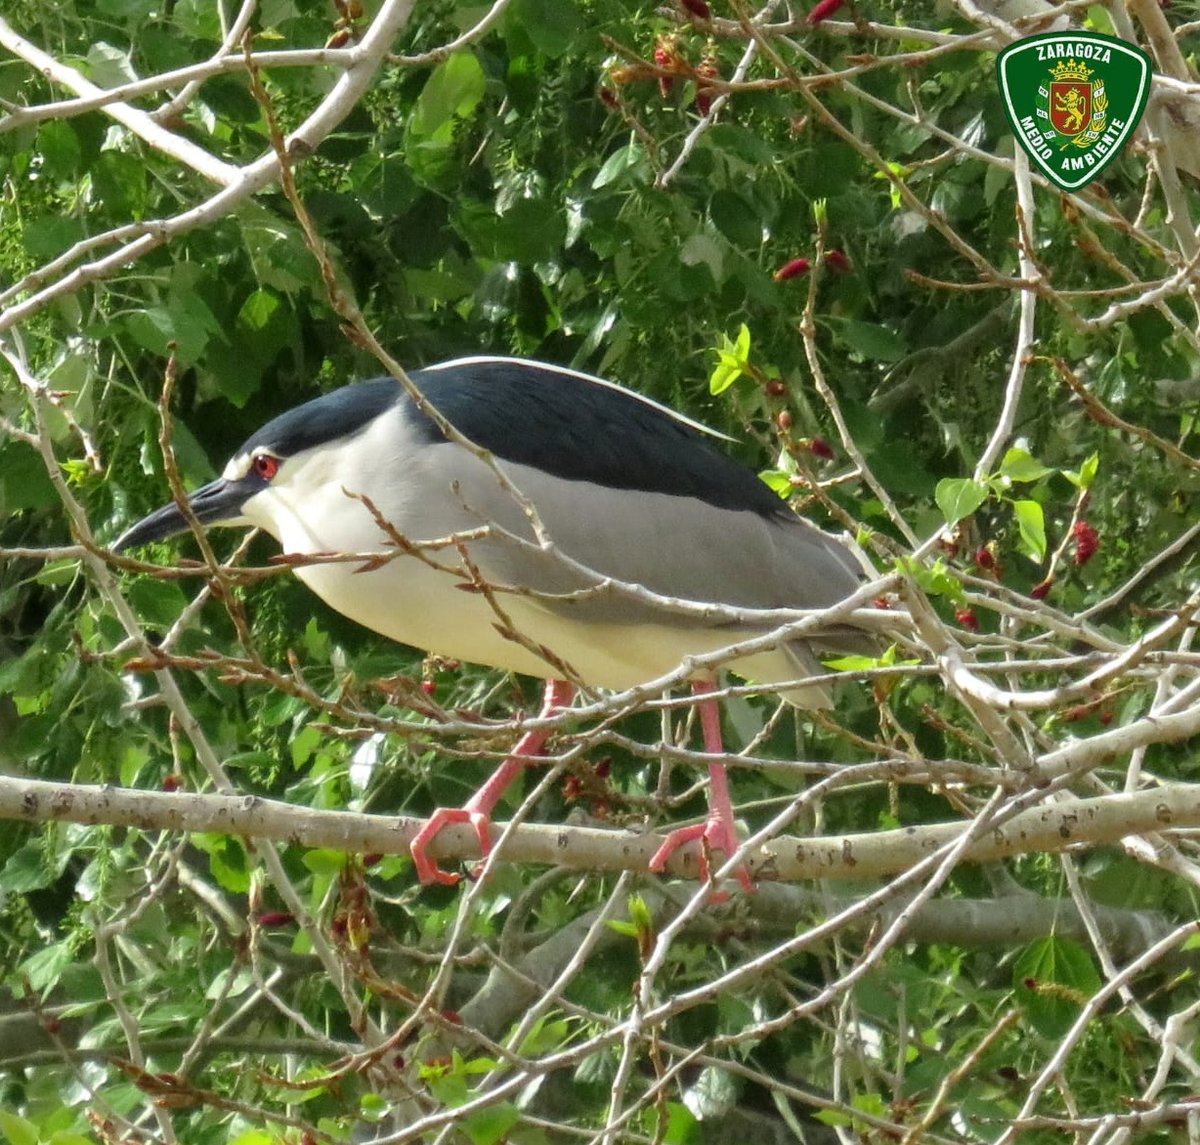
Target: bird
534, 518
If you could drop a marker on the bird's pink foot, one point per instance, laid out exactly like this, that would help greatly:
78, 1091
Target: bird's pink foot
716, 833
478, 809
427, 869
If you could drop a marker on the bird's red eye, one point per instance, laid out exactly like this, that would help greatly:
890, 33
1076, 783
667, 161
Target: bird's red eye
265, 466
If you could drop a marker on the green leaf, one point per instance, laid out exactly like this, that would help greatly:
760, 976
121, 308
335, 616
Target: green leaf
16, 1130
870, 341
476, 1065
24, 483
731, 140
436, 285
304, 743
255, 1137
1053, 978
58, 145
742, 346
701, 249
231, 99
25, 870
551, 25
47, 966
109, 66
777, 481
899, 170
189, 325
851, 663
733, 360
49, 236
531, 230
735, 218
619, 164
889, 659
453, 91
959, 497
119, 181
682, 1126
257, 310
158, 602
488, 1125
1032, 525
548, 1034
936, 581
713, 1094
230, 983
189, 454
322, 861
1020, 465
830, 169
316, 641
723, 377
1087, 472
871, 1103
373, 1107
226, 860
639, 913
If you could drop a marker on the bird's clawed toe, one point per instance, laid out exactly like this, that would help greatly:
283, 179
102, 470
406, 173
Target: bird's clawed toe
714, 834
427, 869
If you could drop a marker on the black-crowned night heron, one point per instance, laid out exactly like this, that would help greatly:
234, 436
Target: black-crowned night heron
571, 511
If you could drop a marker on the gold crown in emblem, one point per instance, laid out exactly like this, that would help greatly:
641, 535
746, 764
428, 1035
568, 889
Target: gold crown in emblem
1070, 70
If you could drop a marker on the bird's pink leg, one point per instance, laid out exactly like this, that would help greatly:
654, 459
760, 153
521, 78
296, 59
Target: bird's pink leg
718, 832
478, 809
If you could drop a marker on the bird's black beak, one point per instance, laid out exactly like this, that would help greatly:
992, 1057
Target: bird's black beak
218, 502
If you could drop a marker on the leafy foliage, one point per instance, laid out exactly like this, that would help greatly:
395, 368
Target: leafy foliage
816, 238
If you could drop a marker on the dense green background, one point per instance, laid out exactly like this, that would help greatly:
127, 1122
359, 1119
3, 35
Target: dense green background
509, 199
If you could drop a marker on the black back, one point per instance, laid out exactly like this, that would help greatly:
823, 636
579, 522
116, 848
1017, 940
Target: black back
533, 415
332, 415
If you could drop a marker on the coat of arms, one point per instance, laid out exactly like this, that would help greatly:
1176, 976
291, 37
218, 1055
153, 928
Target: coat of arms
1073, 99
1076, 107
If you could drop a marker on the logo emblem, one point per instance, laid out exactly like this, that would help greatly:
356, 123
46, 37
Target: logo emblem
1073, 99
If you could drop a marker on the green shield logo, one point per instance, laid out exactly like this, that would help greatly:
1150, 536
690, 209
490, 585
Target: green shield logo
1073, 100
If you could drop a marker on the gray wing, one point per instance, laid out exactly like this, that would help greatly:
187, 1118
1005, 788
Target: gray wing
678, 547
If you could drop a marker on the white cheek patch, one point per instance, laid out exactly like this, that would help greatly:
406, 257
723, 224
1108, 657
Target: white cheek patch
263, 511
238, 467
